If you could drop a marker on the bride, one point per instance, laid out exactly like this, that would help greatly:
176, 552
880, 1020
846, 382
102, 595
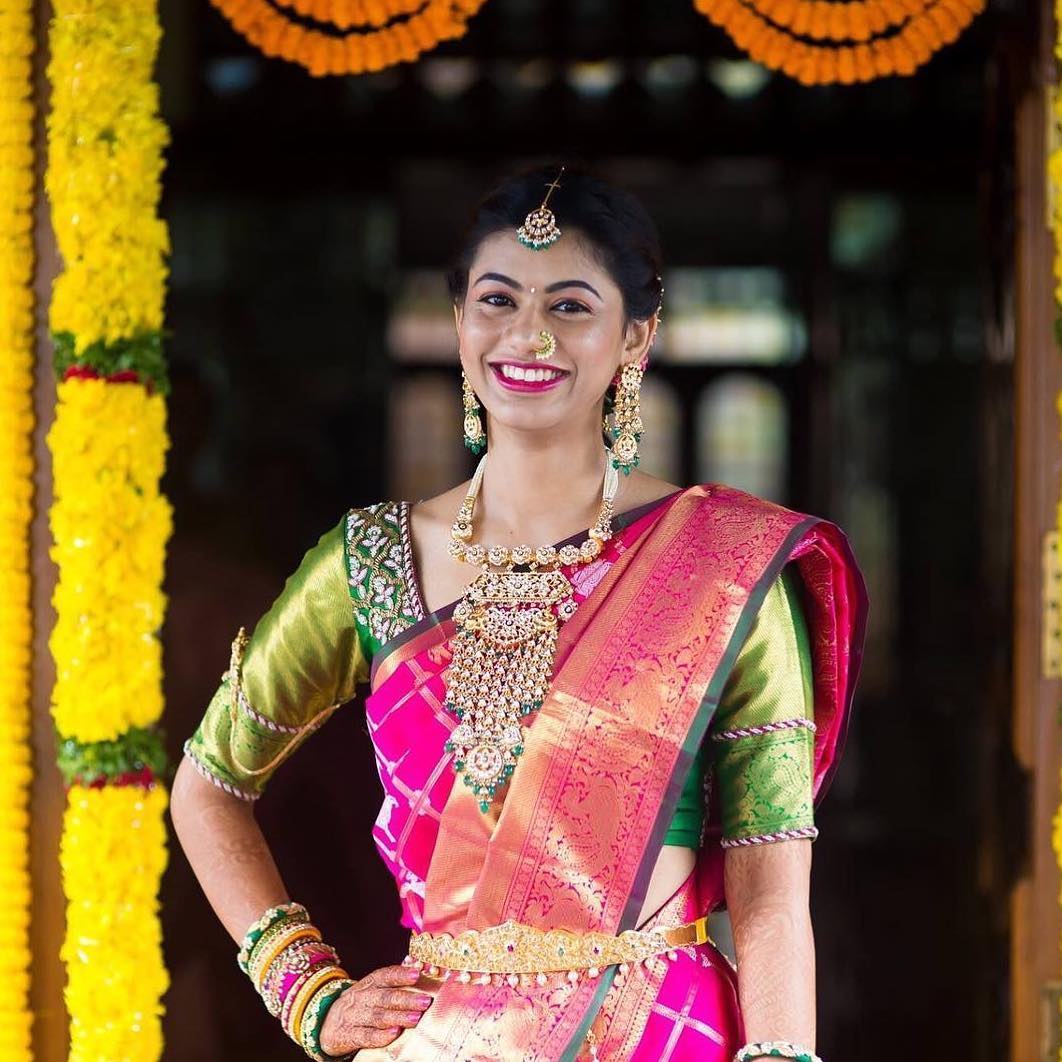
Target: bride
603, 705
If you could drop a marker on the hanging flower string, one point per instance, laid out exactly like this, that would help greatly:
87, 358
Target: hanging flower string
109, 521
348, 36
16, 510
822, 42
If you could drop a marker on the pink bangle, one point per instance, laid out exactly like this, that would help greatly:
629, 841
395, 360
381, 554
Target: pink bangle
286, 969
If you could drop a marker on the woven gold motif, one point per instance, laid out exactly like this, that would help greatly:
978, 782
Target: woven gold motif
514, 948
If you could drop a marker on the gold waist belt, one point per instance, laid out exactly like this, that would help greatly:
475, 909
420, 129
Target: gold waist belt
514, 949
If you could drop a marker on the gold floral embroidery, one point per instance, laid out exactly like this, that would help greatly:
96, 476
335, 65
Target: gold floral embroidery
380, 572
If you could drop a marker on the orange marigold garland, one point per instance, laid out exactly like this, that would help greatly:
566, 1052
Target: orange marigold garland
822, 42
362, 36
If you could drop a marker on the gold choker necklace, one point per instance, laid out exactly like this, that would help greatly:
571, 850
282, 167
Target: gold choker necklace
507, 637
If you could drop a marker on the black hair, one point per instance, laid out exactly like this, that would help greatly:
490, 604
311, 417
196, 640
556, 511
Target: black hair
618, 230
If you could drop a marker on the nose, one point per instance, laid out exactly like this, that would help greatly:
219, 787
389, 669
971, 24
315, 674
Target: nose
522, 336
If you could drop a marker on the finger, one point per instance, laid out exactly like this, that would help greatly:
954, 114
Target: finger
392, 976
366, 1037
406, 1018
377, 1017
399, 998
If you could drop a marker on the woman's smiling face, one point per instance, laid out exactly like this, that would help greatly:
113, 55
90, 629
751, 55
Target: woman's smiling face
515, 292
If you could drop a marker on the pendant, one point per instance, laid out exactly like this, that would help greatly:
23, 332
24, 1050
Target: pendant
502, 665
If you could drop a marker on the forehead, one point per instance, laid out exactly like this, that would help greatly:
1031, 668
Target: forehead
569, 258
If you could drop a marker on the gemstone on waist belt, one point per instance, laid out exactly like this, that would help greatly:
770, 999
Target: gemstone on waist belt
514, 948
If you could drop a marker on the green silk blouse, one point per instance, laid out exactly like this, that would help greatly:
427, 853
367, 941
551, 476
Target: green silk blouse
356, 589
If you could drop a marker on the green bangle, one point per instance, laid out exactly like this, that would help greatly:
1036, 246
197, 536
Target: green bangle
776, 1049
314, 1019
269, 919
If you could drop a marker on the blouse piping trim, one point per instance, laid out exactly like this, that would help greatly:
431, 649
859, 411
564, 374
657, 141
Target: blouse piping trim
211, 777
810, 832
412, 582
264, 720
764, 728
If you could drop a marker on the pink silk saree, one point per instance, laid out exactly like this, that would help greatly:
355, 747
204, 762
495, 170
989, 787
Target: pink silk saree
639, 670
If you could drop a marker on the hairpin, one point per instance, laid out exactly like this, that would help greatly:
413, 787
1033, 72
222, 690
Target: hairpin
540, 226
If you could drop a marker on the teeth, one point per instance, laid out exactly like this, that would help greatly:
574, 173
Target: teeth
515, 372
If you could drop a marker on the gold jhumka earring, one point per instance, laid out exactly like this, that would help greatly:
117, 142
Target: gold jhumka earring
475, 433
540, 226
627, 426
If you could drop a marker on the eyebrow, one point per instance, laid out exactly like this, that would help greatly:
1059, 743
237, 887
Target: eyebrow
556, 286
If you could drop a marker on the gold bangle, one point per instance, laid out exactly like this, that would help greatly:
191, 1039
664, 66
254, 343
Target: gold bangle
305, 993
283, 912
265, 941
313, 1019
293, 993
300, 932
279, 945
294, 960
267, 938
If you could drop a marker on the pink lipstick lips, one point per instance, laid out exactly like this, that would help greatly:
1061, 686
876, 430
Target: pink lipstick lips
513, 382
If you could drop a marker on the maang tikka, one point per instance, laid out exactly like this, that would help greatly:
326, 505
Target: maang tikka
540, 226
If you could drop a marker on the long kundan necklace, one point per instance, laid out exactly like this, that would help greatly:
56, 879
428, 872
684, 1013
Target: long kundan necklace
506, 640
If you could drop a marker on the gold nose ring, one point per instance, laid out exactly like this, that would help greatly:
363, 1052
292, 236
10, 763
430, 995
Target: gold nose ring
548, 345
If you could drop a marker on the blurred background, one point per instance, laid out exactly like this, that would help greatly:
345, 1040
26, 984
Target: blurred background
837, 337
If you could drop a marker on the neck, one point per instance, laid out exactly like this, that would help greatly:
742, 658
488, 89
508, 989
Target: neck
541, 486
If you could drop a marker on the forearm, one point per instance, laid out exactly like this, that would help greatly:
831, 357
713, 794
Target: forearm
767, 896
226, 849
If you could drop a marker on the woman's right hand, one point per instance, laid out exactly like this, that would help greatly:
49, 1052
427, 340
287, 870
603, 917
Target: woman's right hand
374, 1011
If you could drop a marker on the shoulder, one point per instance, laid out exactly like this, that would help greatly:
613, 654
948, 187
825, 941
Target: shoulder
736, 504
430, 515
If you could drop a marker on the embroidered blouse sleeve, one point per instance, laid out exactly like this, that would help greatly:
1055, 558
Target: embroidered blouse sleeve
302, 661
762, 746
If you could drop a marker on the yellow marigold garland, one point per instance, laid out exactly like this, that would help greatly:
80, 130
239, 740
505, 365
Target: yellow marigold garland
363, 35
822, 42
113, 853
105, 145
109, 520
16, 501
110, 524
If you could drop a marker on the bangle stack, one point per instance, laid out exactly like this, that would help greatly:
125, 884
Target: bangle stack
297, 975
776, 1049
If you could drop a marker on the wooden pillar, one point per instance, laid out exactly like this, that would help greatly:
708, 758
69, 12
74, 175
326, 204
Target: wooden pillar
1036, 960
47, 798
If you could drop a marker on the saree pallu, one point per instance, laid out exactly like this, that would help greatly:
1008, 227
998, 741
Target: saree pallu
638, 673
